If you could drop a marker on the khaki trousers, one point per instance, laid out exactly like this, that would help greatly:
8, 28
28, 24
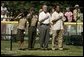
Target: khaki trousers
57, 39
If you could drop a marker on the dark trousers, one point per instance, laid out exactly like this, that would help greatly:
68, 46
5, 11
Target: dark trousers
32, 36
44, 36
20, 35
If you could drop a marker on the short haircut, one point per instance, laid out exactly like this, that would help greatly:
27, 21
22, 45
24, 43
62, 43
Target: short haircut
44, 5
55, 6
32, 9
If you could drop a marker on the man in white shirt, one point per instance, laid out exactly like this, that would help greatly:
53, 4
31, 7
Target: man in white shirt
44, 20
4, 10
57, 29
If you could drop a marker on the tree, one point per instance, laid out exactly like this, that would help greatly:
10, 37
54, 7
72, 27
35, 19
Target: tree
15, 6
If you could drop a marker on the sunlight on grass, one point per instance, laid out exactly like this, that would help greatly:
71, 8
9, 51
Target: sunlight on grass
69, 50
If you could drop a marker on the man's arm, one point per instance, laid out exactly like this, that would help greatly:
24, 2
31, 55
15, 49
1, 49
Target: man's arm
28, 16
56, 19
42, 18
18, 17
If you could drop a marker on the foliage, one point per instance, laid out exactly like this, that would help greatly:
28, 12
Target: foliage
15, 6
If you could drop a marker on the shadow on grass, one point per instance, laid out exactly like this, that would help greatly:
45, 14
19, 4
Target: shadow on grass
27, 55
6, 54
57, 49
44, 49
66, 49
15, 55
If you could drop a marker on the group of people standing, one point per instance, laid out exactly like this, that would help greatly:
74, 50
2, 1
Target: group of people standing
45, 20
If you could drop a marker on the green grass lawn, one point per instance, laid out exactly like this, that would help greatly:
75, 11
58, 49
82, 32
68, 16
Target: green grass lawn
69, 50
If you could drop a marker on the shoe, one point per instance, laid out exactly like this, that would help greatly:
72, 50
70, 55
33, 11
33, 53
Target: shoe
42, 48
56, 48
53, 48
21, 49
60, 48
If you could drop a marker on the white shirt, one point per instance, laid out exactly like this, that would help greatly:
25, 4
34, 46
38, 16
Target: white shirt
3, 9
59, 24
42, 15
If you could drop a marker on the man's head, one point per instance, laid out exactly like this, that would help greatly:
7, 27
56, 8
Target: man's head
67, 9
32, 10
57, 8
2, 4
44, 8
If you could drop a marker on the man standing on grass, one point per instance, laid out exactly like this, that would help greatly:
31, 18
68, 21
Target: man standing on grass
44, 20
20, 31
33, 20
57, 29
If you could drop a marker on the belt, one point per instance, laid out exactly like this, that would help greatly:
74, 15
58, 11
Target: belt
45, 24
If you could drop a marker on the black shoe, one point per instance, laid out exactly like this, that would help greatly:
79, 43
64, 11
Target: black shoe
45, 48
42, 48
21, 49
